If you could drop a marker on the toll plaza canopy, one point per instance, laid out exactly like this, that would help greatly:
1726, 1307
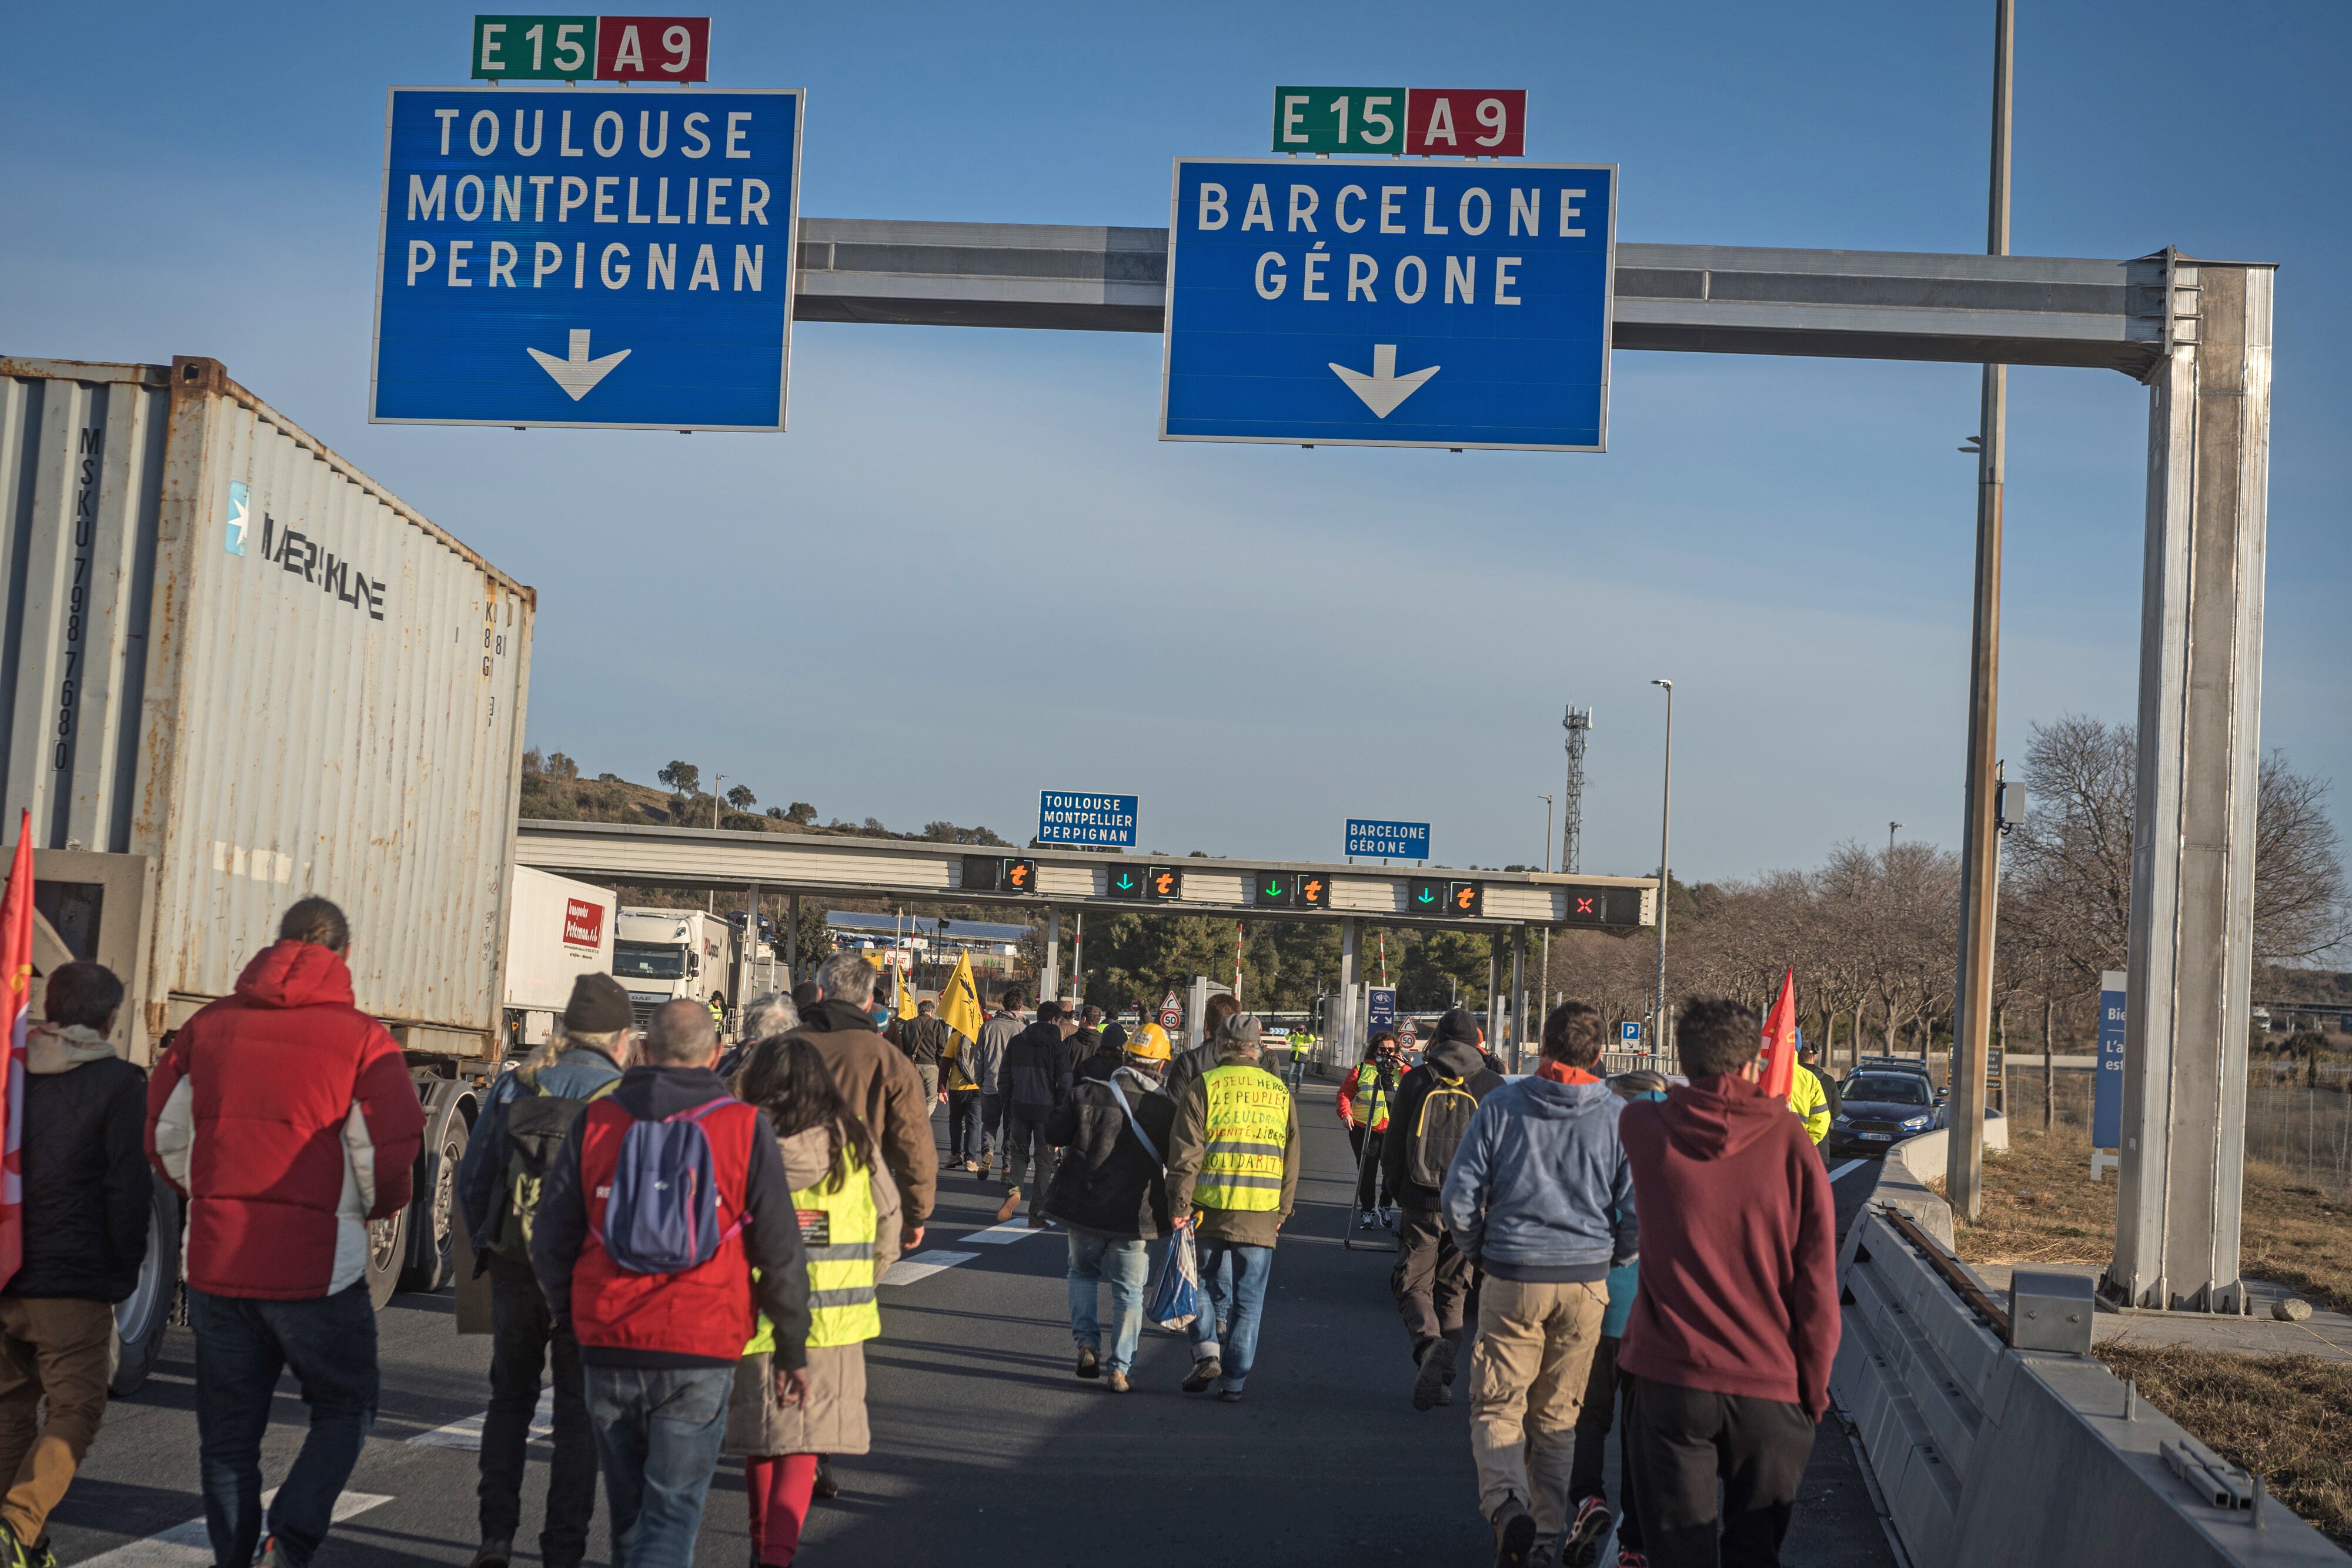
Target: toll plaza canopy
721, 860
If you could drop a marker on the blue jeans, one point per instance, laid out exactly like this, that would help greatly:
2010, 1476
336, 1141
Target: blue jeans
659, 1432
963, 1126
992, 1110
1236, 1277
1125, 1265
242, 1345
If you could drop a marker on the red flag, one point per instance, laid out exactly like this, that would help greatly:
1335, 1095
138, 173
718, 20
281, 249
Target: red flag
16, 963
1781, 1040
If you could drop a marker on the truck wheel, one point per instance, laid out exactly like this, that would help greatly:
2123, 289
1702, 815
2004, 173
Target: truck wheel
435, 1208
388, 1248
141, 1318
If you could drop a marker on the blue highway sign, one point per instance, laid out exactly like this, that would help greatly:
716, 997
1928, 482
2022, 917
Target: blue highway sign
1066, 817
2107, 1084
587, 255
1390, 304
1388, 840
1380, 1007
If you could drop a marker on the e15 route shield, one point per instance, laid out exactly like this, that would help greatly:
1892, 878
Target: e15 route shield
1388, 304
587, 256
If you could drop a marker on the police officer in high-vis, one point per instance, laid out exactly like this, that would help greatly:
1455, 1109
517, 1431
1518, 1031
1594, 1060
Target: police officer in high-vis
1233, 1165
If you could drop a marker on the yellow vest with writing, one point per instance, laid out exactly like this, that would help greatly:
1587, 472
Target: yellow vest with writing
839, 1227
1248, 1129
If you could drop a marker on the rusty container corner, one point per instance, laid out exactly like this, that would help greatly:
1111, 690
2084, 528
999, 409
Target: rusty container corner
236, 671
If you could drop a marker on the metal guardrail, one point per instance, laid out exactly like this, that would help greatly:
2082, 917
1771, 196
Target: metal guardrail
1986, 1454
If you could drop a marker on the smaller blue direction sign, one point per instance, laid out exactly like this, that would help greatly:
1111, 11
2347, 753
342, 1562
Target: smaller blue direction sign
587, 256
1379, 1008
1069, 817
2107, 1084
1388, 840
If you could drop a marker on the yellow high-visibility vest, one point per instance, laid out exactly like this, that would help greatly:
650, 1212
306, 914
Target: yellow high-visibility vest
839, 1227
1248, 1129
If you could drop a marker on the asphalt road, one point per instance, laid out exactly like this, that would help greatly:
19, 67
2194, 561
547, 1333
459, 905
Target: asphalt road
988, 1450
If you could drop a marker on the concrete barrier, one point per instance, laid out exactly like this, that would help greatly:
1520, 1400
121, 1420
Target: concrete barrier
1989, 1455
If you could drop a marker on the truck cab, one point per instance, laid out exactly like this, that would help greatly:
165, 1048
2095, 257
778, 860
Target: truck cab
660, 955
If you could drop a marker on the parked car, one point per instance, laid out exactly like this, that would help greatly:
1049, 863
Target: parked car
1882, 1106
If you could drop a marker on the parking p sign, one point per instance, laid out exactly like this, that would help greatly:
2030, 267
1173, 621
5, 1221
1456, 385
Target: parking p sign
1629, 1033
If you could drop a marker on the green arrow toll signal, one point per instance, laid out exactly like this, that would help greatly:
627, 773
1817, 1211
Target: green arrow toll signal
1274, 890
1126, 881
1427, 896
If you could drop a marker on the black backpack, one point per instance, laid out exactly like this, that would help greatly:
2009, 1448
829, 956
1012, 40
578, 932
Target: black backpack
536, 1123
1438, 1128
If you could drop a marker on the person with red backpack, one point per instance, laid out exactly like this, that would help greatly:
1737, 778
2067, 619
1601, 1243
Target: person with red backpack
1432, 1280
666, 1230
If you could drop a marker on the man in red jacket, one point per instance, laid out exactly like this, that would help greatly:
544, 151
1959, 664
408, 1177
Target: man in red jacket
286, 1117
1736, 1324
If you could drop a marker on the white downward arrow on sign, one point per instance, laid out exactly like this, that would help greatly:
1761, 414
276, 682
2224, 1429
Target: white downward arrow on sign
579, 374
1383, 388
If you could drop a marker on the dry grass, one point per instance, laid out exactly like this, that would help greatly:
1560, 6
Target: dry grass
2282, 1416
2040, 1206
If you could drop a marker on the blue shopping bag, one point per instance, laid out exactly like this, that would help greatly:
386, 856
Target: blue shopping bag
1176, 1297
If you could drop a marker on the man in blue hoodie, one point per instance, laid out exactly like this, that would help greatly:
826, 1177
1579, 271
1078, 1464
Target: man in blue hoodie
1541, 1197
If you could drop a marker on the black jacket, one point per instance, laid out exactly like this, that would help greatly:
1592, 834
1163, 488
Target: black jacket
1188, 1067
1098, 1066
922, 1038
1455, 1059
87, 1185
1107, 1182
771, 1229
1037, 1076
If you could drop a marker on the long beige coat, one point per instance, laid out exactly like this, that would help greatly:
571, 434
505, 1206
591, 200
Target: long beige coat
831, 1419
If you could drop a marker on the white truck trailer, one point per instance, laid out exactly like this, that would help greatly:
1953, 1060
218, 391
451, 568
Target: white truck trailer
662, 954
557, 930
238, 671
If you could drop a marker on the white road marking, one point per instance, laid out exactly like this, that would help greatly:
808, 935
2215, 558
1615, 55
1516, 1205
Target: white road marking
1841, 1170
923, 1265
187, 1545
467, 1434
997, 1235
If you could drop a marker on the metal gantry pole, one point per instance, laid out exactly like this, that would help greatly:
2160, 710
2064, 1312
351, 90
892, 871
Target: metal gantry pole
1344, 1048
1050, 983
1979, 874
792, 941
1518, 997
1666, 878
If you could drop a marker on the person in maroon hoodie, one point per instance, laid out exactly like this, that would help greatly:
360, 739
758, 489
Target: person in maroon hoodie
1732, 1334
286, 1117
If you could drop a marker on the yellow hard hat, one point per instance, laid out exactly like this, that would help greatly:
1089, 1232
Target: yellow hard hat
1151, 1042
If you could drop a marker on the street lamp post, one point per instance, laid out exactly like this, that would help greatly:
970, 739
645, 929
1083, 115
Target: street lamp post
1666, 881
710, 904
1545, 993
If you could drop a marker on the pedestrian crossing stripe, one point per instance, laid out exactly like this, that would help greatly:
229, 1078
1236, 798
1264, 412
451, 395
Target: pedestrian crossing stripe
188, 1546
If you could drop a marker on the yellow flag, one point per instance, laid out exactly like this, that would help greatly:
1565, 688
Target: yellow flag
959, 1002
906, 992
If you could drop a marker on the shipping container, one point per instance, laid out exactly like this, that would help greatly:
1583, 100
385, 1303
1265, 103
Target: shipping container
557, 930
236, 671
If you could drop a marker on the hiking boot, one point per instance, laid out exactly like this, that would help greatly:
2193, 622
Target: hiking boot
1229, 1395
825, 1486
1117, 1382
493, 1553
971, 1166
1436, 1368
42, 1553
1090, 1362
270, 1555
1204, 1372
13, 1553
1515, 1536
1582, 1547
1012, 1202
1633, 1560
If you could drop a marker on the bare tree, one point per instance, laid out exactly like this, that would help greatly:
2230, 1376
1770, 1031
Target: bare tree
2301, 914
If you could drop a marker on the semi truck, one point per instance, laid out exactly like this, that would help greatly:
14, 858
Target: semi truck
662, 954
239, 671
557, 930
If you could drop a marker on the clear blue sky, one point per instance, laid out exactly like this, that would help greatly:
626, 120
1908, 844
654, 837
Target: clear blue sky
941, 590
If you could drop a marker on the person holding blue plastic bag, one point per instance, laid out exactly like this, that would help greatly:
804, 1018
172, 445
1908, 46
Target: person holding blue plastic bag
1233, 1162
665, 1197
1111, 1194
